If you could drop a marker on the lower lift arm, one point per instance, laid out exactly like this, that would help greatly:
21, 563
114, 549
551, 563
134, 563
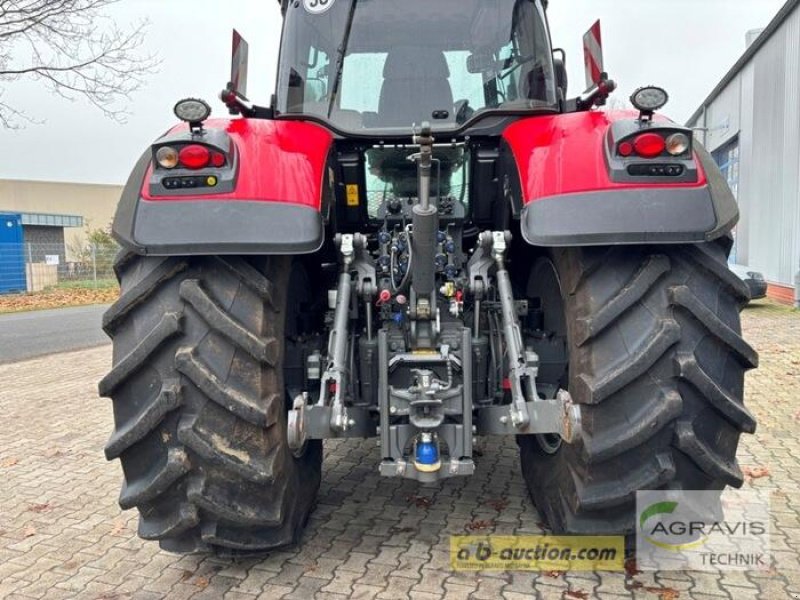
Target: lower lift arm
527, 412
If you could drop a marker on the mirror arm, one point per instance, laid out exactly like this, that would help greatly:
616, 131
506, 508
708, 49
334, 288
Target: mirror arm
596, 95
239, 105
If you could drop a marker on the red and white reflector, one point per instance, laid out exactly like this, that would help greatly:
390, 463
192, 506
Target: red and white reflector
593, 54
239, 59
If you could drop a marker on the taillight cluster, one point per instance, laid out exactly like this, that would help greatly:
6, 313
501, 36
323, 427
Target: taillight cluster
653, 145
191, 156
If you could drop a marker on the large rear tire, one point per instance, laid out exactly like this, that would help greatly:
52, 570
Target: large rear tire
657, 363
199, 401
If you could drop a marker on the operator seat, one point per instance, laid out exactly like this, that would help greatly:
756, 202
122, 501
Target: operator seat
415, 84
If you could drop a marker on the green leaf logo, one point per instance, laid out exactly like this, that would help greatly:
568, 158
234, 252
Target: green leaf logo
662, 508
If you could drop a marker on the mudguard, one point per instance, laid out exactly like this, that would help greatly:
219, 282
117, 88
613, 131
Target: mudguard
272, 195
566, 189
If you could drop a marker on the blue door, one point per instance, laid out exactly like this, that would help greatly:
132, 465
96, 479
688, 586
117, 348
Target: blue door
12, 256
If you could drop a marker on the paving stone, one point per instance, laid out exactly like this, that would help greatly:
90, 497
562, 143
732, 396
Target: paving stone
431, 581
489, 588
410, 567
80, 581
271, 592
10, 585
364, 592
356, 561
342, 582
329, 596
43, 584
376, 574
234, 595
254, 582
424, 596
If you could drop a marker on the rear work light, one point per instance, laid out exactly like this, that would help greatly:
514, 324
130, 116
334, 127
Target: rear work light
194, 156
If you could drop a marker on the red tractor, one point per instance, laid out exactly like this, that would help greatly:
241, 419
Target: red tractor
421, 240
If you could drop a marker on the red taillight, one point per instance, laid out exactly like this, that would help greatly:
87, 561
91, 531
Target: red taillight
625, 149
217, 159
649, 145
194, 156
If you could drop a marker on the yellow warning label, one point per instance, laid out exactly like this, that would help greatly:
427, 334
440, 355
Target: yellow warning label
352, 194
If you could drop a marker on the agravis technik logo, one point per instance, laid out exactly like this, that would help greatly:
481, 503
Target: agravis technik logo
703, 530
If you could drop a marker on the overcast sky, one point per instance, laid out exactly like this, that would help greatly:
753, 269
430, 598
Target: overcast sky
685, 46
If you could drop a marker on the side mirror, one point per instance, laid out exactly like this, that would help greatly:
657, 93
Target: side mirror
239, 60
234, 96
481, 61
560, 68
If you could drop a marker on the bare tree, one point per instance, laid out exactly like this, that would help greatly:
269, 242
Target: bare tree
75, 49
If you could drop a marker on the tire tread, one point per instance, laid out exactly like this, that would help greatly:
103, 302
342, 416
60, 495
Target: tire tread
198, 401
664, 412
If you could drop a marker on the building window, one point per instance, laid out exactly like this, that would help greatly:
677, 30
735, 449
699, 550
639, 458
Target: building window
727, 157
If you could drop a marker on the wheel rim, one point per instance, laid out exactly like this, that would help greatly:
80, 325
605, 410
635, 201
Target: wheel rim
545, 285
297, 294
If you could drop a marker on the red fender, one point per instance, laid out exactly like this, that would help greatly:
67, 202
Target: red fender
279, 161
567, 193
564, 154
272, 202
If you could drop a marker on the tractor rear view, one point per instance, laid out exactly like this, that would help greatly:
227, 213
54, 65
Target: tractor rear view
422, 241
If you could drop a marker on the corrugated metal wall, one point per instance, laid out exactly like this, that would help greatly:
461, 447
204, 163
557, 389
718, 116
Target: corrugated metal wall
762, 104
747, 206
723, 116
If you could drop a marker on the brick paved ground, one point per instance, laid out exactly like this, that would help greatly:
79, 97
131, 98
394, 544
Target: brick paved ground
63, 536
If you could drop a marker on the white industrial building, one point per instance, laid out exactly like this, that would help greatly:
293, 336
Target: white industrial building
751, 124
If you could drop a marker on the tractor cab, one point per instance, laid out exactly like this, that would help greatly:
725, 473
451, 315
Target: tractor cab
367, 67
